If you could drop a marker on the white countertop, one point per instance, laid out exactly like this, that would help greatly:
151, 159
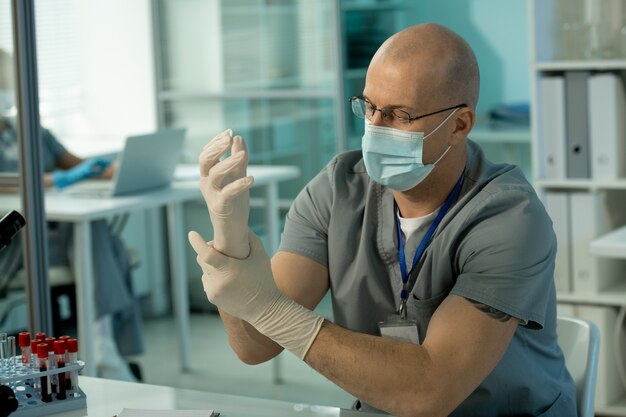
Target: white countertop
105, 398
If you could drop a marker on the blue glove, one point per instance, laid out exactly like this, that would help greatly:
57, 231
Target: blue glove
89, 168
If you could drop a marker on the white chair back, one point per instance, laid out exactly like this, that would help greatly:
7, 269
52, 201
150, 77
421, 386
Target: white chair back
580, 342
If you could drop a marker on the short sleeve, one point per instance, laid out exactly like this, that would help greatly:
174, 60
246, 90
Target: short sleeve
52, 149
306, 225
507, 256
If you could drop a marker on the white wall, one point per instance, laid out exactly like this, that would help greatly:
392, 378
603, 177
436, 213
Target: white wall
497, 30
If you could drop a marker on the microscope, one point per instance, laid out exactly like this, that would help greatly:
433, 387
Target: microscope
10, 225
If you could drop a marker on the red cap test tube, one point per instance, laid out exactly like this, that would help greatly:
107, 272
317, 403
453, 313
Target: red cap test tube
72, 348
33, 351
46, 389
23, 339
59, 350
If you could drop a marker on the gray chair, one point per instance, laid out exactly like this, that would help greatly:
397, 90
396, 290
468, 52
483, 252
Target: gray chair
580, 342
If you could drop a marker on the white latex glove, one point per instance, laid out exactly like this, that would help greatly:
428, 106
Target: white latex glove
245, 288
225, 188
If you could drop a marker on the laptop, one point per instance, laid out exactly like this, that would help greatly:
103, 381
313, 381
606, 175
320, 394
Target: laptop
146, 163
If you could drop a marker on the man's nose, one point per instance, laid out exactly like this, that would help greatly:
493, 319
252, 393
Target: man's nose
377, 119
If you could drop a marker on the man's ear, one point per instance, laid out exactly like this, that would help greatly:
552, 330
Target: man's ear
464, 122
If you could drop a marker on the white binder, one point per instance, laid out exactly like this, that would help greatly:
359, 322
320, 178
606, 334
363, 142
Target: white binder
593, 214
552, 141
557, 205
607, 126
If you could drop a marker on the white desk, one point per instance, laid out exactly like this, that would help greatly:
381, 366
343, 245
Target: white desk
81, 211
105, 398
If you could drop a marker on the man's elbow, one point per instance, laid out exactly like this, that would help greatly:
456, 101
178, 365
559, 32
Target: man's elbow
253, 356
425, 401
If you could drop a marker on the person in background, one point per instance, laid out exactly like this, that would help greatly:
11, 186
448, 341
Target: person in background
419, 238
118, 325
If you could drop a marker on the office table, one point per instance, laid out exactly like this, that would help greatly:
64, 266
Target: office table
106, 398
81, 211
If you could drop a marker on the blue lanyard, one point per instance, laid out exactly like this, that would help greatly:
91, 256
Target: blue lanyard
404, 294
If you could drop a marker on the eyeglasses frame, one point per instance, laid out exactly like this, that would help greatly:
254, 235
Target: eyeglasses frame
409, 118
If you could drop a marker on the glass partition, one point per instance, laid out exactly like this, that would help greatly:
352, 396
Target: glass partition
13, 297
24, 291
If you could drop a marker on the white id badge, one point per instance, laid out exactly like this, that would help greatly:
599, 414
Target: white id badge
399, 329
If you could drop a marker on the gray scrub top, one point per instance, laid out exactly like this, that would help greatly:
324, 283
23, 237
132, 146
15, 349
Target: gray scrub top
495, 245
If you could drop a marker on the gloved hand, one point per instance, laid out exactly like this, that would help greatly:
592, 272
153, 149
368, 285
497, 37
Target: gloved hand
224, 186
245, 288
89, 168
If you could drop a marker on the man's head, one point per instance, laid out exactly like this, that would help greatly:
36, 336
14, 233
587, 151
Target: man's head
429, 65
421, 70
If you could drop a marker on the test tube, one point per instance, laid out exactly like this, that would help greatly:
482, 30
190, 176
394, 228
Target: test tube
52, 362
72, 348
68, 380
24, 342
12, 353
33, 353
40, 336
3, 349
46, 389
59, 350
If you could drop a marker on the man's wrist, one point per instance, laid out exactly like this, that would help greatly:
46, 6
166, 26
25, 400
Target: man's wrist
59, 179
229, 247
291, 325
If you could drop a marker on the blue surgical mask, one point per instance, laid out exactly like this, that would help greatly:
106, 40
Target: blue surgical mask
393, 157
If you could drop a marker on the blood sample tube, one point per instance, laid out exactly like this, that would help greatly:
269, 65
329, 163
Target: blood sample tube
40, 336
46, 389
68, 381
50, 342
72, 348
23, 339
52, 363
33, 353
59, 351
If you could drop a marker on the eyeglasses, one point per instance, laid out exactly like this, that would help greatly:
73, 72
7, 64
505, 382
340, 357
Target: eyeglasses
391, 117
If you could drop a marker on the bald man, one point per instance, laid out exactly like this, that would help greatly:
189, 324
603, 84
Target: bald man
439, 262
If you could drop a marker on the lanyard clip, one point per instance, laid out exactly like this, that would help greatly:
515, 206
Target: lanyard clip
402, 309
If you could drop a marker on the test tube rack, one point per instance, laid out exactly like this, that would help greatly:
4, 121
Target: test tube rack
23, 378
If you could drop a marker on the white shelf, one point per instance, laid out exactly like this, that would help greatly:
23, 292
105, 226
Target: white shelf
610, 245
613, 296
584, 184
615, 64
545, 43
